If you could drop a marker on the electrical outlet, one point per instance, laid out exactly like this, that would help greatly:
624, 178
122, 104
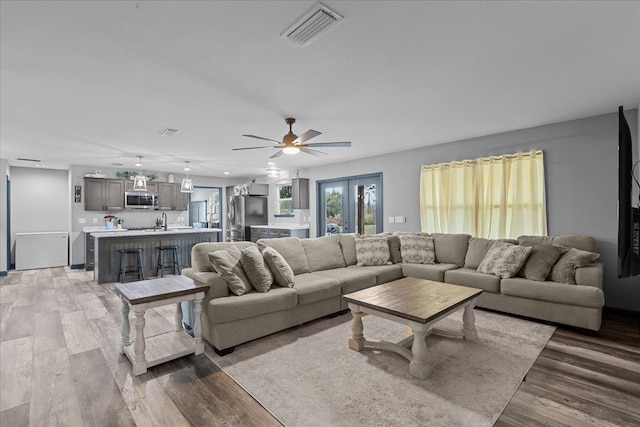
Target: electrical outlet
82, 220
399, 219
392, 220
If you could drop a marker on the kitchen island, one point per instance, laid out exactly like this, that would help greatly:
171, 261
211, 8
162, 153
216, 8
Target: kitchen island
107, 244
279, 230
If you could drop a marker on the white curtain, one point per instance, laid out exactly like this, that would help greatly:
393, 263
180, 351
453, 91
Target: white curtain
493, 197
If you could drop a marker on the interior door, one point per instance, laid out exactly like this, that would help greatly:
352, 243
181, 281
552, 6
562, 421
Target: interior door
350, 205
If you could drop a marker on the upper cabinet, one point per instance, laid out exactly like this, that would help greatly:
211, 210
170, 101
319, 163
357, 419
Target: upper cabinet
170, 198
103, 194
300, 193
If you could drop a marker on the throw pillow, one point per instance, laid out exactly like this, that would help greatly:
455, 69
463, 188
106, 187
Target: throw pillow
256, 269
228, 264
417, 249
392, 240
504, 259
282, 273
478, 248
540, 261
564, 271
372, 251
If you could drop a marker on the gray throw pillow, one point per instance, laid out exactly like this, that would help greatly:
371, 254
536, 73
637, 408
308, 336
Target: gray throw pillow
417, 249
478, 248
256, 269
282, 273
372, 251
504, 259
541, 261
229, 265
564, 271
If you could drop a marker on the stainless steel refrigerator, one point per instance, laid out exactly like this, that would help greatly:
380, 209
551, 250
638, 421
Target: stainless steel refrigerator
242, 213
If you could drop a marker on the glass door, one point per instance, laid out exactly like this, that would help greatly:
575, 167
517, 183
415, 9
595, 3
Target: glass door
350, 205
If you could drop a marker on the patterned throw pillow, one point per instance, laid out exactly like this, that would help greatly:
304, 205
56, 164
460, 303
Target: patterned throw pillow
504, 259
228, 264
540, 261
564, 271
372, 251
256, 269
282, 273
417, 249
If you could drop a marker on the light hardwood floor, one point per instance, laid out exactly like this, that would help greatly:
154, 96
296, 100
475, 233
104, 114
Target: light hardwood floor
60, 365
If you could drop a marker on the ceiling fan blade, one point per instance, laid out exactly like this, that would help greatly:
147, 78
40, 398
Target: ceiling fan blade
306, 136
328, 144
253, 148
313, 152
265, 139
278, 154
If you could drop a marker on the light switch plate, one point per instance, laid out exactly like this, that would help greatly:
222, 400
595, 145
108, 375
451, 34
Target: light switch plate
95, 220
399, 219
82, 220
392, 220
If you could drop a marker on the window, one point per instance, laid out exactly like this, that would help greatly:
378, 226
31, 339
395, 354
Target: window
284, 202
495, 197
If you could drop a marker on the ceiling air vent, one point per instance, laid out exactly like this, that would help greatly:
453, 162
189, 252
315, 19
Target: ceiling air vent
312, 25
168, 132
29, 160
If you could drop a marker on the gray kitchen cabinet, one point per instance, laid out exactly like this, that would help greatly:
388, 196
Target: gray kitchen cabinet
181, 199
103, 194
89, 260
170, 198
300, 193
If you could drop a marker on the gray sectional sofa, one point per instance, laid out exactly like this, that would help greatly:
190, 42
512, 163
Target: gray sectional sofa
325, 269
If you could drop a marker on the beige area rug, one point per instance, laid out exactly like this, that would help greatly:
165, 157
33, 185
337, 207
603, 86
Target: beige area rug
307, 376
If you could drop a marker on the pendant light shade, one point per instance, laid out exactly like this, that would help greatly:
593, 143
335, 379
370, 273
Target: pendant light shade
187, 183
140, 181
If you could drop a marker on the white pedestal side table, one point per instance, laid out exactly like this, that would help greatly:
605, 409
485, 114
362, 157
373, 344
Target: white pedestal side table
139, 296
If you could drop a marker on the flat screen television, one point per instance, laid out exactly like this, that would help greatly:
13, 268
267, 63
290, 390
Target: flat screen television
628, 215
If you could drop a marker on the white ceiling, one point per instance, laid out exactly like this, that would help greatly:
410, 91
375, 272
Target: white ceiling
93, 83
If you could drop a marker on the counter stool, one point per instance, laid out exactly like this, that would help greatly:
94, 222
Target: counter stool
137, 269
172, 263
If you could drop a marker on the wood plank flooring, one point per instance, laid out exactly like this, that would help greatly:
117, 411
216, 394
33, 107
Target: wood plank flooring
60, 365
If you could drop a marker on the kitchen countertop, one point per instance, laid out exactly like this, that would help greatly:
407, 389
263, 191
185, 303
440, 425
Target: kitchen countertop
284, 226
133, 233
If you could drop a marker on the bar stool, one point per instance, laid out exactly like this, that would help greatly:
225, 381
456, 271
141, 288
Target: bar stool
137, 269
161, 264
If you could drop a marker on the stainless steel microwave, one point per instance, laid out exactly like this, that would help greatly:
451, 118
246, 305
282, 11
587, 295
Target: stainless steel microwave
140, 200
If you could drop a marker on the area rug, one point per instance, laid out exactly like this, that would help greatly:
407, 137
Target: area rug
307, 376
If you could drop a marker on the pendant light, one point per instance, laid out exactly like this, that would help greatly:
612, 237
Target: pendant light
187, 183
140, 181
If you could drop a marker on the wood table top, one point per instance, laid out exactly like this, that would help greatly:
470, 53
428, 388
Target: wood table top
158, 289
419, 300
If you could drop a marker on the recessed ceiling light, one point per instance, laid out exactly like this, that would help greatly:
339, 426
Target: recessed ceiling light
226, 173
270, 163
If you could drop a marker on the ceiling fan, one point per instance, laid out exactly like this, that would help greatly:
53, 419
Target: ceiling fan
292, 143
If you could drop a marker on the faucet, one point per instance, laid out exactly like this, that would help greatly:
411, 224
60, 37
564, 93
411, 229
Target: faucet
164, 221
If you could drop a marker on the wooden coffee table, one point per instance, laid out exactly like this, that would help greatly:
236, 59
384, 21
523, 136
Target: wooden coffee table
139, 296
419, 304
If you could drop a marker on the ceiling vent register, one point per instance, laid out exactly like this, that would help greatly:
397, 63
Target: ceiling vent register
312, 25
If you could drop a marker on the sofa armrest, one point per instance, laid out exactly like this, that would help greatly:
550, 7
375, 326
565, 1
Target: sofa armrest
590, 275
218, 287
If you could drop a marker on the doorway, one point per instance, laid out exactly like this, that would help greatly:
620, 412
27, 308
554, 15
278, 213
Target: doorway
350, 205
205, 207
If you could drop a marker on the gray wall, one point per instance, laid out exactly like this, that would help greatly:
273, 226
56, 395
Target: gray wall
4, 173
40, 200
581, 163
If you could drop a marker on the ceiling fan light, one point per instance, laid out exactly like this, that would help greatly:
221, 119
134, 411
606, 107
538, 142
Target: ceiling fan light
290, 150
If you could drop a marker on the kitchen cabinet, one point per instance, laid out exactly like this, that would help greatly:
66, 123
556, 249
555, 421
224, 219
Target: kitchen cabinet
300, 193
152, 187
103, 194
89, 261
170, 198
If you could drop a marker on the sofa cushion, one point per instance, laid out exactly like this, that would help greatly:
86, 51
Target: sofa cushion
292, 251
228, 263
200, 253
384, 273
584, 243
351, 279
251, 304
416, 249
256, 269
323, 253
451, 248
313, 287
282, 273
473, 279
348, 246
478, 248
427, 271
564, 270
372, 251
540, 261
584, 296
504, 259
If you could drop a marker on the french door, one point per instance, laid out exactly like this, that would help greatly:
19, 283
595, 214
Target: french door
350, 205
